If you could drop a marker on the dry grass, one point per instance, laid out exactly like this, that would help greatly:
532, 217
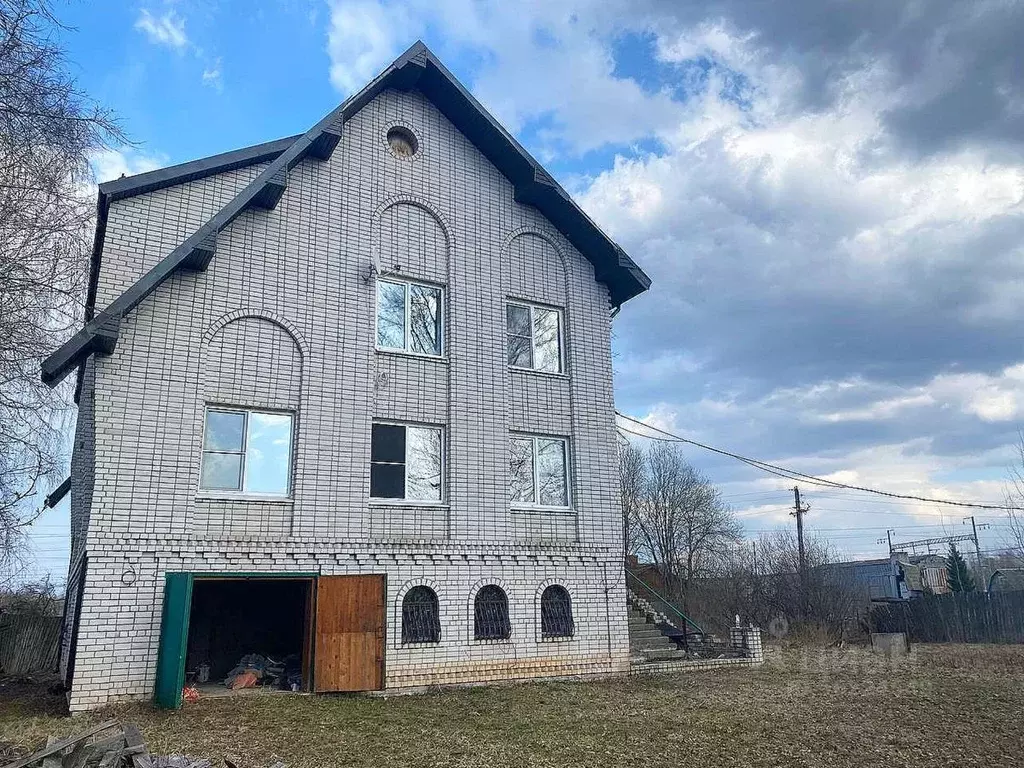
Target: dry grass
951, 705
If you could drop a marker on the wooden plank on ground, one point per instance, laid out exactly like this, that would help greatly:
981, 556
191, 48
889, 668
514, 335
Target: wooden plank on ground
133, 740
59, 746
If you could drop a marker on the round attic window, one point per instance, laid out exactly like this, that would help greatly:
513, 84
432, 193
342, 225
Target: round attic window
402, 141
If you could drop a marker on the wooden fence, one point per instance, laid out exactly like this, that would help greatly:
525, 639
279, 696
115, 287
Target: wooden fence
28, 643
964, 617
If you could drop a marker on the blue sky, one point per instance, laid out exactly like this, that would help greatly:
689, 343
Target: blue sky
829, 197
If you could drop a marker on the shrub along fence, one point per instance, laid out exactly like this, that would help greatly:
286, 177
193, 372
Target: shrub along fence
963, 617
28, 643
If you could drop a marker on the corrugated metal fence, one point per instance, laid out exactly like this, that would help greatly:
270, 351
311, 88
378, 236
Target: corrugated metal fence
964, 617
28, 643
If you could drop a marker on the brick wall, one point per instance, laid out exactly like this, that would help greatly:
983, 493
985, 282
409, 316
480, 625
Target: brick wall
284, 318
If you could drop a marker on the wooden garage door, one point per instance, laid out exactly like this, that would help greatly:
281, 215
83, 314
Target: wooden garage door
349, 633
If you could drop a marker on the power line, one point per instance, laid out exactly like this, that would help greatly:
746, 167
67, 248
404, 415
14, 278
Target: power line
790, 474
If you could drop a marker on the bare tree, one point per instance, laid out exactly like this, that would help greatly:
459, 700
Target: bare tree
1013, 492
632, 489
684, 525
48, 130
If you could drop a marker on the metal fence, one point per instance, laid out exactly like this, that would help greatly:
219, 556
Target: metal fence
29, 643
964, 617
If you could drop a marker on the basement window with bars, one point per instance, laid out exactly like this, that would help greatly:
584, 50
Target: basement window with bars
490, 614
421, 622
556, 613
246, 452
406, 462
409, 317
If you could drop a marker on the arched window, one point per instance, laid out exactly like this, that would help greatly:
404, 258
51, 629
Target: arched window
490, 614
420, 616
556, 613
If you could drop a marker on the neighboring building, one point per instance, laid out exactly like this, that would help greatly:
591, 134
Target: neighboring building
1007, 580
933, 573
897, 577
884, 578
347, 397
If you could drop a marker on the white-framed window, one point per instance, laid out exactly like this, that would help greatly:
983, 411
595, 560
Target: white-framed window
534, 337
406, 462
247, 452
409, 317
539, 471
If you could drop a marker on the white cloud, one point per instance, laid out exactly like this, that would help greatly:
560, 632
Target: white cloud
111, 164
549, 62
363, 37
166, 29
212, 76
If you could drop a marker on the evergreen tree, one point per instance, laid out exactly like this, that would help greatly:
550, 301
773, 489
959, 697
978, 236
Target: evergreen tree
957, 573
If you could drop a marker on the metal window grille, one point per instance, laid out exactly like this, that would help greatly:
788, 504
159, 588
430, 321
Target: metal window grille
420, 620
556, 613
490, 618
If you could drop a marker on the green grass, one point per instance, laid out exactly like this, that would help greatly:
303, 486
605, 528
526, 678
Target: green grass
949, 705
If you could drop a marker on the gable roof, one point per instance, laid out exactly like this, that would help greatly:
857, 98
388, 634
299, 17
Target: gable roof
416, 68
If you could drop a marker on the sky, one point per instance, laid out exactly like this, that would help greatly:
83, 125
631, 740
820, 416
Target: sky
827, 196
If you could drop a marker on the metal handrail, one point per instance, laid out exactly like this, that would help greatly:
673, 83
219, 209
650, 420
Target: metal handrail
664, 601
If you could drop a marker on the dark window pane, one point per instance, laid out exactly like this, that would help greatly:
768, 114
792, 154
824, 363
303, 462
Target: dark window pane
387, 481
518, 320
390, 315
224, 431
221, 471
387, 443
421, 621
556, 613
490, 614
520, 336
425, 319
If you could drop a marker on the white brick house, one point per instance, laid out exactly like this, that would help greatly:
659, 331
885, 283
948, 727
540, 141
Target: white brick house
378, 349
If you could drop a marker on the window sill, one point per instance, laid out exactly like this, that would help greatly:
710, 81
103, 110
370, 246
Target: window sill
420, 644
559, 639
492, 640
535, 372
208, 496
375, 502
416, 355
545, 510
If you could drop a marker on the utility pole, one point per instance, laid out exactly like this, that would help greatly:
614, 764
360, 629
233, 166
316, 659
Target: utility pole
799, 510
977, 552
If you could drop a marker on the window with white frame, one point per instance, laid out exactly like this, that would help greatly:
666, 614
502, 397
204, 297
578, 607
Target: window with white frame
540, 471
247, 452
409, 317
534, 337
406, 462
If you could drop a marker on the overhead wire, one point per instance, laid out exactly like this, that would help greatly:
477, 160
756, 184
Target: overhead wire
791, 474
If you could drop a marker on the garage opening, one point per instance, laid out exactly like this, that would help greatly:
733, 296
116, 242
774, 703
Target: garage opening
249, 634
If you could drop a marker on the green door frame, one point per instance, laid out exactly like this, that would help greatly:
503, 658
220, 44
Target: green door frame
170, 663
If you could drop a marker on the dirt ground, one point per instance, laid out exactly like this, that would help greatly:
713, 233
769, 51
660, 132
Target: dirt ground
942, 706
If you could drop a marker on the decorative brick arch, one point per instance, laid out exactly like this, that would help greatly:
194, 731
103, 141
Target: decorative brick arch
259, 314
400, 597
419, 202
550, 237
